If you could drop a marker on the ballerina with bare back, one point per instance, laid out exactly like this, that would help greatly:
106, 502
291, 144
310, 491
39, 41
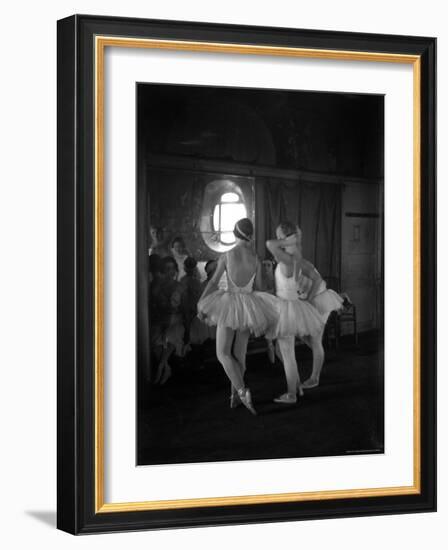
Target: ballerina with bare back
237, 311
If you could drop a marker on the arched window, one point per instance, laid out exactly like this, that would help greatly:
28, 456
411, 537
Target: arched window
224, 203
226, 213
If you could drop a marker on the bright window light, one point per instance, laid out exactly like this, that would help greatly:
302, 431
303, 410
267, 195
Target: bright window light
230, 197
226, 213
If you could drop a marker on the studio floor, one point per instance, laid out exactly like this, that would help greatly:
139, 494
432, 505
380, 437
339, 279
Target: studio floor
189, 419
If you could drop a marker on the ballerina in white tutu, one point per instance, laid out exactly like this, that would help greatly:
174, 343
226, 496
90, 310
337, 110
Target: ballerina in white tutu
237, 311
325, 301
299, 282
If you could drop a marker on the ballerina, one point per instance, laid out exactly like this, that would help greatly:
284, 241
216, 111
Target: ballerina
237, 311
310, 288
296, 317
325, 300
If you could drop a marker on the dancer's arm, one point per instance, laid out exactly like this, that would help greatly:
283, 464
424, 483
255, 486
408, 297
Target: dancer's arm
214, 281
311, 272
275, 247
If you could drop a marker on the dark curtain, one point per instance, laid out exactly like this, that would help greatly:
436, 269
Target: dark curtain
270, 209
315, 207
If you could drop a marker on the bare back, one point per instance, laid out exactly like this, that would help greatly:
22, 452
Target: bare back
241, 265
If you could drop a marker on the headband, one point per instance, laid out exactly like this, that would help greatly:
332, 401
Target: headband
240, 233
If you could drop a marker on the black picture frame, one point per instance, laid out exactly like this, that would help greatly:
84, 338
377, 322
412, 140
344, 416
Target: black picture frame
77, 495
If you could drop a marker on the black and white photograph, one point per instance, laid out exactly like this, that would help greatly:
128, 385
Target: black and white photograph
223, 275
260, 274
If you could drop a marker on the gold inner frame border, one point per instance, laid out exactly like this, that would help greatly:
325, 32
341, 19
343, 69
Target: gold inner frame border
100, 44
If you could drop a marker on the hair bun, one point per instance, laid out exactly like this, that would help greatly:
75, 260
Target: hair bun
288, 228
244, 229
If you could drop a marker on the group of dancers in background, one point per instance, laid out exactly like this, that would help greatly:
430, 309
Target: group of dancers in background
300, 308
175, 289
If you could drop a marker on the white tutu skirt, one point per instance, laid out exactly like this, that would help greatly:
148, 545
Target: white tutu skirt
254, 311
326, 302
296, 318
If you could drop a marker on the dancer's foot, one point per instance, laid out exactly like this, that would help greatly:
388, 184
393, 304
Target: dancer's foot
235, 400
246, 399
271, 353
286, 399
311, 383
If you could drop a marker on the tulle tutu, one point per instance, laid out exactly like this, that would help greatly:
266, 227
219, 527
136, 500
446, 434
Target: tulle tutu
254, 311
296, 318
327, 301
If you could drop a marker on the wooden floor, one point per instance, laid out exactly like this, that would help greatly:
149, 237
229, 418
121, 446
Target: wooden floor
189, 419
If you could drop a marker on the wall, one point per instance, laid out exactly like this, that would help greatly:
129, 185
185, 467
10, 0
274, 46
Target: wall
28, 275
332, 133
176, 203
361, 252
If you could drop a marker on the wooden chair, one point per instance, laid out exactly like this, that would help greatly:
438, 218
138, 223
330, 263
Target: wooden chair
345, 316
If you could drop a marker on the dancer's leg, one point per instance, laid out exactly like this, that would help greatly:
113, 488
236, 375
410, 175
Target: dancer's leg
288, 353
224, 338
271, 350
164, 368
239, 353
278, 353
240, 349
315, 343
232, 368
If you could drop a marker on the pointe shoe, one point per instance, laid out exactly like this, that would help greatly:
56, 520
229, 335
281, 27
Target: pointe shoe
310, 383
235, 400
246, 399
286, 399
299, 389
